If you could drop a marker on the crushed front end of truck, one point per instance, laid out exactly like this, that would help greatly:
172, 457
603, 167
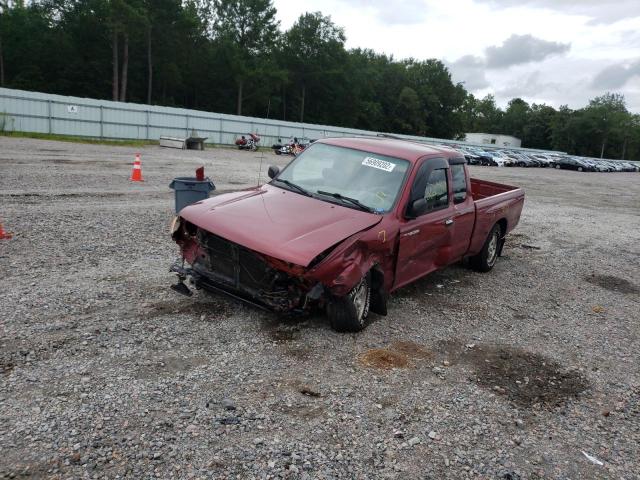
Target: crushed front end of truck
216, 264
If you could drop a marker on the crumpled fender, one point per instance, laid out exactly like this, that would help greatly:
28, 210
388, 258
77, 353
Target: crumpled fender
345, 266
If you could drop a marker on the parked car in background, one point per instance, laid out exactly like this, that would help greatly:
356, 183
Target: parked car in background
544, 160
471, 157
595, 165
630, 167
497, 160
572, 163
508, 157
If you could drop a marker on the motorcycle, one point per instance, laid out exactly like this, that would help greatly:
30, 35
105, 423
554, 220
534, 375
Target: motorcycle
293, 147
251, 143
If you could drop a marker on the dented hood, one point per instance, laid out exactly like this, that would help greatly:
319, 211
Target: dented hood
279, 223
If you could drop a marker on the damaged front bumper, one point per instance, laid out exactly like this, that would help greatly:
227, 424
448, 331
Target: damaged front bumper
218, 265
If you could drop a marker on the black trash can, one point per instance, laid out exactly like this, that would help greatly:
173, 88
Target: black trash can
190, 190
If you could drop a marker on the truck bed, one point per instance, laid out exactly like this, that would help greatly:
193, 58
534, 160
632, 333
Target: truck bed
494, 202
483, 188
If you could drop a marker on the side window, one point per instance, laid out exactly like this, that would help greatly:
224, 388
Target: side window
436, 192
459, 183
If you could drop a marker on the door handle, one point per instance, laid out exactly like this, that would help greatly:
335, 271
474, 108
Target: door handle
448, 222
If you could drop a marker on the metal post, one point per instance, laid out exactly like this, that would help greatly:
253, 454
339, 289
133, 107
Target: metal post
187, 129
49, 114
101, 124
148, 125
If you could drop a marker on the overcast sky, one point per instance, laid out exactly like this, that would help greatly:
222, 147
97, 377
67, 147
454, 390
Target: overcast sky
552, 51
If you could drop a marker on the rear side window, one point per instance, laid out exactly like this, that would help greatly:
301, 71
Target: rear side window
459, 183
437, 191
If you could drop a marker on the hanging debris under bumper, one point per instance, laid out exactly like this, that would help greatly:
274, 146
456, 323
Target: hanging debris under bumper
219, 265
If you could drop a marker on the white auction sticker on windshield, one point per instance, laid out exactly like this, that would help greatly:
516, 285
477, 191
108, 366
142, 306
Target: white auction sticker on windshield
379, 164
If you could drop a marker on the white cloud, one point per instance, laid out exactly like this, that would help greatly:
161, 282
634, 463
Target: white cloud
520, 49
469, 70
601, 33
597, 11
617, 75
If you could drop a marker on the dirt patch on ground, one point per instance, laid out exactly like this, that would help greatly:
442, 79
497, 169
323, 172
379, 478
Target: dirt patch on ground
31, 350
32, 471
6, 367
520, 240
613, 284
452, 350
383, 358
287, 336
283, 334
298, 352
411, 349
525, 378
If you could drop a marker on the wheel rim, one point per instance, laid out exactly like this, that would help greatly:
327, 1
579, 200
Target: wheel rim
360, 299
492, 249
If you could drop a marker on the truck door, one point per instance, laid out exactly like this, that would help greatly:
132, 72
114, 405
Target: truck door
425, 233
464, 209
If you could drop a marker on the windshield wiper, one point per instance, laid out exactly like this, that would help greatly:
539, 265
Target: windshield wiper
353, 201
293, 185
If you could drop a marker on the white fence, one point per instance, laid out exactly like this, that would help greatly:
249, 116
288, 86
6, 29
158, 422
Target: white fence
24, 111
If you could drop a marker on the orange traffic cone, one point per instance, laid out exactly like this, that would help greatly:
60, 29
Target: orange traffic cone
4, 235
136, 173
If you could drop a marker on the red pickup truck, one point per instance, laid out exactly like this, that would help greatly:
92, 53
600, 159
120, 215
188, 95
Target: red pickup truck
342, 226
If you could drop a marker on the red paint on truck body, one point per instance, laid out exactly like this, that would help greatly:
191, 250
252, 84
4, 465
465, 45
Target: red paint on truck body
315, 241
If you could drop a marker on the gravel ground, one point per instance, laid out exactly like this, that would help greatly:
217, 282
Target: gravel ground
106, 373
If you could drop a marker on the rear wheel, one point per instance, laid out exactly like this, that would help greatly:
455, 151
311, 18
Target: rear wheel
349, 313
486, 259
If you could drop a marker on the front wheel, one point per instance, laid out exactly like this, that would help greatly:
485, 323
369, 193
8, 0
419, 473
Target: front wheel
486, 259
349, 313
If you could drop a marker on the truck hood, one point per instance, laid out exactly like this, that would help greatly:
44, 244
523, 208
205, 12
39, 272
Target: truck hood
278, 223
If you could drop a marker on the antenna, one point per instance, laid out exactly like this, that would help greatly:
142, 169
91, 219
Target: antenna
262, 152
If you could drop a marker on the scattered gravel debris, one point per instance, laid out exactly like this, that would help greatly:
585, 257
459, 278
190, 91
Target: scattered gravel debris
107, 373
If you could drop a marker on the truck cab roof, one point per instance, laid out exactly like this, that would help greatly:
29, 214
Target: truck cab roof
404, 149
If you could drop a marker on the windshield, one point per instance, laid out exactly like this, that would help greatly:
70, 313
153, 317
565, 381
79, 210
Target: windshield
372, 180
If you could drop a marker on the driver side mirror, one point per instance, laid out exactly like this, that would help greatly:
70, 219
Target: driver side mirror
273, 171
417, 208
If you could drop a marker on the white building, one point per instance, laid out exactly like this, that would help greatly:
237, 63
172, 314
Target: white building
493, 139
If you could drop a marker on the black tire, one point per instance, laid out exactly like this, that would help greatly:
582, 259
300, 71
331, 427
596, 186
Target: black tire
486, 259
278, 152
349, 313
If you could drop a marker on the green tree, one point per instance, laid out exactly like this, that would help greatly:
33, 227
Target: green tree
515, 118
314, 53
607, 116
537, 129
247, 30
440, 99
481, 115
126, 18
